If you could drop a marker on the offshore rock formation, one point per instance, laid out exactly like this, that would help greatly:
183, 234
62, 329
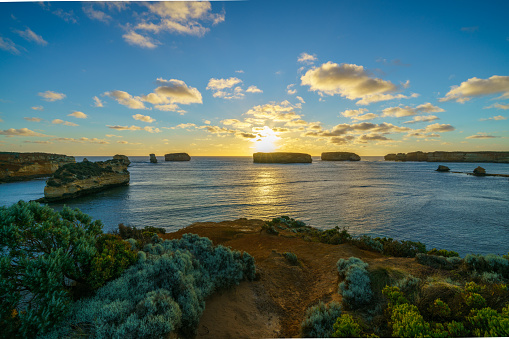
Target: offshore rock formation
479, 171
153, 158
83, 178
450, 156
442, 168
177, 157
281, 157
340, 156
16, 166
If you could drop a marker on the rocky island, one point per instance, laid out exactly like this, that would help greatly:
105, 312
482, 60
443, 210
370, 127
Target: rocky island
177, 157
340, 156
501, 157
15, 166
281, 157
83, 178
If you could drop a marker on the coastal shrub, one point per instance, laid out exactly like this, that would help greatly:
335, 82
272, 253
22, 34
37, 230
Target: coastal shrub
319, 320
335, 236
487, 322
407, 322
488, 263
366, 242
270, 229
443, 253
435, 261
163, 292
142, 236
440, 310
344, 264
403, 248
291, 257
409, 286
356, 288
346, 327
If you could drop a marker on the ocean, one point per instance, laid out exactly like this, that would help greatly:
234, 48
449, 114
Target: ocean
401, 200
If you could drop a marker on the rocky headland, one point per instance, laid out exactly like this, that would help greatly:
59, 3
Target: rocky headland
281, 157
153, 158
502, 157
83, 178
340, 156
177, 157
15, 166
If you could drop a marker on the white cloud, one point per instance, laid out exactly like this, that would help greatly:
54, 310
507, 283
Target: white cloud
95, 14
21, 132
282, 112
289, 89
409, 111
239, 71
368, 116
136, 39
300, 99
97, 102
144, 118
353, 112
52, 96
219, 84
38, 108
113, 136
475, 87
150, 129
30, 36
253, 89
306, 58
78, 114
498, 117
33, 119
384, 97
499, 106
206, 122
439, 128
480, 135
62, 122
37, 142
186, 125
422, 118
235, 123
126, 99
176, 91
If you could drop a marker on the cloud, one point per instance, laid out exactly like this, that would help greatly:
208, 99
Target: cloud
409, 111
306, 58
219, 84
235, 123
126, 99
499, 106
94, 140
480, 135
300, 99
113, 136
78, 114
422, 118
282, 112
170, 108
7, 45
439, 128
384, 97
186, 125
128, 143
66, 16
37, 142
52, 96
206, 122
470, 29
372, 137
33, 119
342, 129
498, 117
150, 129
62, 122
97, 102
341, 140
38, 108
30, 36
144, 118
368, 116
176, 91
289, 89
136, 39
353, 112
21, 132
95, 14
475, 87
253, 89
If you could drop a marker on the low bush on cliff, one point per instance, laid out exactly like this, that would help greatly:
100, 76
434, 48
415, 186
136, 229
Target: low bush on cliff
142, 236
44, 254
443, 253
356, 288
488, 263
79, 170
163, 292
319, 320
435, 261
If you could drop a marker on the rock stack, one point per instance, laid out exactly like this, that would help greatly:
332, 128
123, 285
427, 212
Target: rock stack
16, 166
153, 158
281, 157
340, 156
177, 157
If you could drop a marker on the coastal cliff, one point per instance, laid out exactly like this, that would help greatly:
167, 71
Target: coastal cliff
177, 157
281, 157
502, 157
73, 180
15, 166
340, 156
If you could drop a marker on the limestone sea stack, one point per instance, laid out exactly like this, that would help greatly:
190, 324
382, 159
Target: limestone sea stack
281, 157
16, 166
153, 158
442, 168
87, 177
340, 156
501, 157
177, 157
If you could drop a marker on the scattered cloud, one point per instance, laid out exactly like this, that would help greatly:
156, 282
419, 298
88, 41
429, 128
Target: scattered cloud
224, 88
95, 14
33, 119
499, 106
62, 122
7, 45
97, 102
291, 90
306, 58
470, 29
126, 99
21, 132
38, 108
384, 97
150, 129
218, 84
177, 92
235, 123
239, 71
113, 136
38, 142
282, 112
475, 87
206, 122
52, 96
300, 99
136, 39
78, 114
498, 117
480, 135
30, 36
439, 128
253, 89
144, 118
409, 111
128, 143
422, 118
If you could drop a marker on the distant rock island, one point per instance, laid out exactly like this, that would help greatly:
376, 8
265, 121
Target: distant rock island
450, 156
281, 157
83, 178
340, 156
177, 157
15, 166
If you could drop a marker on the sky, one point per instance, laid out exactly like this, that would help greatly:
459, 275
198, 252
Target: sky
237, 77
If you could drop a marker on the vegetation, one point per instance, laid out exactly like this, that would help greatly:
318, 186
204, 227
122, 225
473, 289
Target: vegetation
356, 288
142, 236
346, 327
291, 257
320, 319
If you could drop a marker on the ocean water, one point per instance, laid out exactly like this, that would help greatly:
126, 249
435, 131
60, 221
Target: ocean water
407, 201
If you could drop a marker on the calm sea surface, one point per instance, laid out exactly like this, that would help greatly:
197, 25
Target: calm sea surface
408, 201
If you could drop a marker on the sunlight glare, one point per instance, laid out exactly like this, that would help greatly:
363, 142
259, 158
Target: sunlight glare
266, 140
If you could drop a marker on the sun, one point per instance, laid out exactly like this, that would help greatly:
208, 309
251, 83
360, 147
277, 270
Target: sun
266, 140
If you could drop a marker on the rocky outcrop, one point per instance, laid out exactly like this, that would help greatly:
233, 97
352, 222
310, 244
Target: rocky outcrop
177, 157
340, 156
83, 178
281, 157
16, 166
153, 158
479, 171
442, 168
450, 156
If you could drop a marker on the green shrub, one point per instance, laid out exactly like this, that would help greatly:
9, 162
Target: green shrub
343, 265
407, 322
394, 295
346, 327
291, 257
356, 289
488, 263
443, 253
487, 322
319, 320
440, 310
409, 285
457, 330
403, 248
142, 236
436, 261
366, 242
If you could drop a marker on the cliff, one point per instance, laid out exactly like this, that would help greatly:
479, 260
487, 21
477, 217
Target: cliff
340, 156
177, 157
502, 157
281, 157
16, 166
73, 180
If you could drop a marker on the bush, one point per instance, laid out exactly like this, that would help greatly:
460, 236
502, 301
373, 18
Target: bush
346, 327
488, 323
343, 265
440, 310
368, 243
319, 320
142, 236
356, 289
435, 261
488, 263
407, 322
291, 257
163, 292
443, 253
404, 248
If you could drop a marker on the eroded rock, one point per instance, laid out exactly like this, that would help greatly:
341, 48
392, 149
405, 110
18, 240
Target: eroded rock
281, 157
177, 157
15, 166
340, 156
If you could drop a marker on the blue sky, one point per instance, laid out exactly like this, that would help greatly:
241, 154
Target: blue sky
231, 78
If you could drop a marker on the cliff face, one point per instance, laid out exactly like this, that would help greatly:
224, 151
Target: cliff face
16, 166
340, 156
87, 177
281, 157
450, 156
177, 157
